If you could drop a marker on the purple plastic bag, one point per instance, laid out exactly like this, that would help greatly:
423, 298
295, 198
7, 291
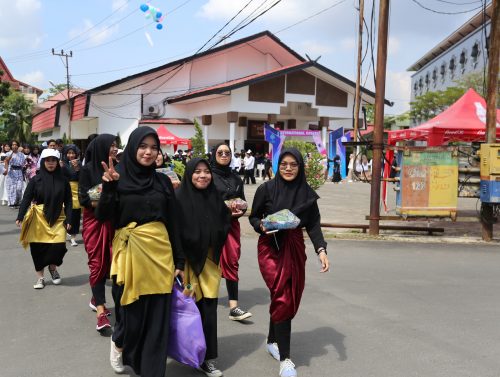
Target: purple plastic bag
186, 342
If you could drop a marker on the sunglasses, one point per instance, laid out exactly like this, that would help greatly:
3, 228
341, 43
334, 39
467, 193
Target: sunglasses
224, 153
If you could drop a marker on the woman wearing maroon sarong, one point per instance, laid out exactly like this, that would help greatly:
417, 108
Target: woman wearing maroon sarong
282, 255
97, 236
230, 186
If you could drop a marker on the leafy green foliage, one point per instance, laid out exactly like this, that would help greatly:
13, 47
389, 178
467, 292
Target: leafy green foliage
178, 168
16, 117
58, 88
198, 141
314, 167
430, 104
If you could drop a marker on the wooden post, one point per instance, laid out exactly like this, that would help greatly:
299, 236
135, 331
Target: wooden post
357, 97
378, 130
491, 116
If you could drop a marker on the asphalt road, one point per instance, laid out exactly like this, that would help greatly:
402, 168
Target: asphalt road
385, 310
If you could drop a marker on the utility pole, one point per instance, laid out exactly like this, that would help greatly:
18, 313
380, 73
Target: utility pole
70, 55
378, 130
357, 99
491, 100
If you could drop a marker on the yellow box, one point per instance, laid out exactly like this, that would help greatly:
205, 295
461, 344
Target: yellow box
490, 160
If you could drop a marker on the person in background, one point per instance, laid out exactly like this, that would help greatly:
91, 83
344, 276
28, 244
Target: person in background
4, 198
204, 225
71, 168
45, 215
268, 167
236, 163
147, 254
259, 164
230, 186
350, 168
282, 255
337, 177
51, 144
97, 236
249, 162
34, 157
60, 145
13, 165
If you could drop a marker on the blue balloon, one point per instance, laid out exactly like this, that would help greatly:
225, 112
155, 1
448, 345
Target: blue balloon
159, 26
144, 7
158, 15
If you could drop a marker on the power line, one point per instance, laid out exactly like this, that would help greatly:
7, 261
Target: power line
447, 13
454, 3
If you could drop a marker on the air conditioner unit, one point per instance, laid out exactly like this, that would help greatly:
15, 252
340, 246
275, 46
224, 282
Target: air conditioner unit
153, 110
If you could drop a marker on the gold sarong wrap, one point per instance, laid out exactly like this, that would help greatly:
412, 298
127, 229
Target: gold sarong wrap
35, 228
74, 194
142, 260
208, 282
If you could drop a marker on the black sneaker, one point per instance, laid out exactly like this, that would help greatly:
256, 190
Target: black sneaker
210, 369
238, 314
56, 278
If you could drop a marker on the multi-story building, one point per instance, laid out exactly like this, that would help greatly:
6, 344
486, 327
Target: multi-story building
463, 52
30, 92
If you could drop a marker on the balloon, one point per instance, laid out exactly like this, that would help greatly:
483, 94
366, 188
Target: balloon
159, 26
144, 7
158, 15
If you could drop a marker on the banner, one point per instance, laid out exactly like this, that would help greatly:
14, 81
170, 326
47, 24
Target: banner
316, 135
273, 137
342, 153
333, 139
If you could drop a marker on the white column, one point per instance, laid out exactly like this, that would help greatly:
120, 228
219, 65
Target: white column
323, 135
231, 135
205, 137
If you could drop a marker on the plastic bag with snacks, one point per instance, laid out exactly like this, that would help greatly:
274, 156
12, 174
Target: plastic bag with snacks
170, 174
95, 192
280, 220
241, 205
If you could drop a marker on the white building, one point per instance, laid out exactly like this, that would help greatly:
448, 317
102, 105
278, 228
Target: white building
463, 52
232, 90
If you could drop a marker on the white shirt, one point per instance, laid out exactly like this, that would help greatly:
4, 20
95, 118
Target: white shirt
235, 163
249, 162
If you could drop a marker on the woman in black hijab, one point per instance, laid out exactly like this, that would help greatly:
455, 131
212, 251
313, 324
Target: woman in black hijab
44, 224
204, 225
147, 254
97, 236
71, 168
281, 255
230, 186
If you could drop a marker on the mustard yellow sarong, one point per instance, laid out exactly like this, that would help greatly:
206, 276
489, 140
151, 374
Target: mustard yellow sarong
208, 282
35, 228
142, 260
74, 194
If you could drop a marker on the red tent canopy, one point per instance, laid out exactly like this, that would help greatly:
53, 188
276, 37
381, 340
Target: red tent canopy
167, 137
465, 120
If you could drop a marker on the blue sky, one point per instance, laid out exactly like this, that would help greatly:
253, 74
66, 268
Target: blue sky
111, 39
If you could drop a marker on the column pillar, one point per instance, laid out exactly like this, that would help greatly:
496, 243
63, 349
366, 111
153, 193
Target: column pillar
232, 118
206, 120
324, 122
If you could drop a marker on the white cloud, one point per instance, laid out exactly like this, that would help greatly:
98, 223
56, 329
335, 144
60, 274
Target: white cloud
119, 4
36, 78
20, 24
93, 35
398, 90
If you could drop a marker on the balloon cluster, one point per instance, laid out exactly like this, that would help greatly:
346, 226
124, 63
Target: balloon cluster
153, 13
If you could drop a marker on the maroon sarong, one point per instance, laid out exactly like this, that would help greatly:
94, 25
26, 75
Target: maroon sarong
97, 238
231, 253
284, 272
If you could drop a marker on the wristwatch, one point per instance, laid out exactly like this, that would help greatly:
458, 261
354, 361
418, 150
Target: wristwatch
321, 249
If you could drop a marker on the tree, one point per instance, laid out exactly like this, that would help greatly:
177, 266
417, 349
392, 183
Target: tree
58, 88
313, 166
198, 141
16, 117
430, 104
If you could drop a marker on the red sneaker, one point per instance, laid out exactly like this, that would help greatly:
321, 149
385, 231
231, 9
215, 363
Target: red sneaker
94, 307
102, 322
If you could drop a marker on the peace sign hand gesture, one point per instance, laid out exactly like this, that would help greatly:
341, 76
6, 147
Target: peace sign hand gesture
110, 173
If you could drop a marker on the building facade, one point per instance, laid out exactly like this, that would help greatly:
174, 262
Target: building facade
29, 91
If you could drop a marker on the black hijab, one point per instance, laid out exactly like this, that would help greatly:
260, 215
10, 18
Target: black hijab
134, 177
204, 221
228, 184
53, 184
98, 151
296, 196
222, 170
66, 149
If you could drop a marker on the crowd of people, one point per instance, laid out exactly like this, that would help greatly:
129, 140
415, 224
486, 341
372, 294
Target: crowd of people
144, 231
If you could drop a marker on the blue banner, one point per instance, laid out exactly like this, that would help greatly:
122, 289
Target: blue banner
334, 136
341, 152
273, 137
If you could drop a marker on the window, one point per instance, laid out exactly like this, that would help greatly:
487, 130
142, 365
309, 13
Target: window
420, 84
452, 67
434, 77
415, 89
427, 81
442, 72
463, 61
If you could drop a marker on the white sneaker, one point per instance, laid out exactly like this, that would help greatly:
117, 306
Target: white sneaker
115, 358
273, 350
73, 242
56, 278
40, 283
287, 368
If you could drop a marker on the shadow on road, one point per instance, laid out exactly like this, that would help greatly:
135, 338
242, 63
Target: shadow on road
249, 298
317, 342
9, 232
75, 281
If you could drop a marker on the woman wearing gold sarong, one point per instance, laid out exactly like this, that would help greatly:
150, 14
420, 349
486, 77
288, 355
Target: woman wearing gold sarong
147, 254
204, 222
71, 169
44, 224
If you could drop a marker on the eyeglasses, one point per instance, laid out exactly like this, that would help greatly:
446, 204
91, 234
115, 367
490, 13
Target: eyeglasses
291, 165
224, 153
